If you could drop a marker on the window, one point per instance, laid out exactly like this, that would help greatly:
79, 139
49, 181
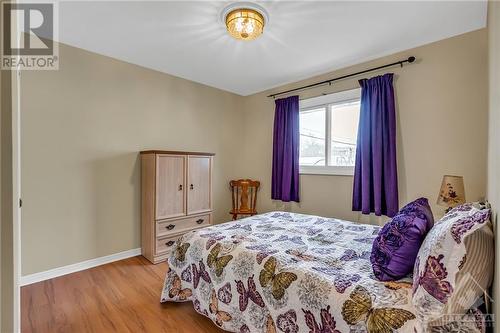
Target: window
328, 133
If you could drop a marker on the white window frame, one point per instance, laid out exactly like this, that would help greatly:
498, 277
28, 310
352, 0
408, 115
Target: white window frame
327, 101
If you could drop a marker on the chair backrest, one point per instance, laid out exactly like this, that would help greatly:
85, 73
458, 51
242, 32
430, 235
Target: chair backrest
244, 194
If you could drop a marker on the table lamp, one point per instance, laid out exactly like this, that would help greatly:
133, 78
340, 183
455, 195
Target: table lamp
452, 192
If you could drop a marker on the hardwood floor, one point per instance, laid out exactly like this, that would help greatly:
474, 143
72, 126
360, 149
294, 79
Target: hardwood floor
123, 296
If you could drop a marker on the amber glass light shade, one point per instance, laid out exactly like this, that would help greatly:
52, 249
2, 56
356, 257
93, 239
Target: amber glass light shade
245, 24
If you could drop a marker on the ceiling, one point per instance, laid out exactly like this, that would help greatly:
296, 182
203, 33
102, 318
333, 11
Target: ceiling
302, 39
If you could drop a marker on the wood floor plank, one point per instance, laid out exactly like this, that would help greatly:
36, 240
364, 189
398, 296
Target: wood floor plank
123, 296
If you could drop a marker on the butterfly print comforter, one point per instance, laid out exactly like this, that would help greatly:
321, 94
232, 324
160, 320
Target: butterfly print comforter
286, 272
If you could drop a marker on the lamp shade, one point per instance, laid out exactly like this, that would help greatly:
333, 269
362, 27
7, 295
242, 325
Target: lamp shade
245, 23
452, 191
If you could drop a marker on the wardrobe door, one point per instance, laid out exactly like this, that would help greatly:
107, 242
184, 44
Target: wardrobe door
198, 182
170, 186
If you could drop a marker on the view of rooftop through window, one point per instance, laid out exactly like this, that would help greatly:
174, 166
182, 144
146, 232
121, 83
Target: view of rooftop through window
328, 134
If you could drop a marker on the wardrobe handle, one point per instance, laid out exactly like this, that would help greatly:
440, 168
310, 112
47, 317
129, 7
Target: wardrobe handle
180, 187
200, 221
191, 186
170, 226
169, 243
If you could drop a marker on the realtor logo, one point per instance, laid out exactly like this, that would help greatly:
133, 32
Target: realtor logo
28, 34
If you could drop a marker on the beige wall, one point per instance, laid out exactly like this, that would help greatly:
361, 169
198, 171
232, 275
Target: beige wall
494, 136
82, 129
441, 119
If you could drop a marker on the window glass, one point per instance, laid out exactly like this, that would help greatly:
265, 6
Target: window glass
312, 137
344, 132
328, 133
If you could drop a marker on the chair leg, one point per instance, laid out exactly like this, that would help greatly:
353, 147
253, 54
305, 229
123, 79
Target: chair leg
235, 217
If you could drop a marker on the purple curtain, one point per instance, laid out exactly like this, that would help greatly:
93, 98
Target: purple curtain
375, 175
285, 181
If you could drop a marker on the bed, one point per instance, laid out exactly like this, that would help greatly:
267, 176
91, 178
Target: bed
287, 272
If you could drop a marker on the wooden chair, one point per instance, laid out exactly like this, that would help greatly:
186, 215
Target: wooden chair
244, 192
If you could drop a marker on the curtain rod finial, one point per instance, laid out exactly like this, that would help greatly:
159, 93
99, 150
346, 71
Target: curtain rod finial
411, 59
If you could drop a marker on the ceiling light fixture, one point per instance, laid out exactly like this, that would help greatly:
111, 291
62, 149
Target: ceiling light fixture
244, 21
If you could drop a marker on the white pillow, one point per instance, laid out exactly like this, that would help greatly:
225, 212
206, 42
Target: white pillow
454, 265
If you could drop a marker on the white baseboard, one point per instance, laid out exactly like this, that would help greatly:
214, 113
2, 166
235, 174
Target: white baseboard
79, 266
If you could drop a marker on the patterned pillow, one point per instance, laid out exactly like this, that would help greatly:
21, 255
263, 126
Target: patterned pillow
454, 265
397, 244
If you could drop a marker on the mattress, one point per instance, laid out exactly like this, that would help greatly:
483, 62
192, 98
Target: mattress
287, 272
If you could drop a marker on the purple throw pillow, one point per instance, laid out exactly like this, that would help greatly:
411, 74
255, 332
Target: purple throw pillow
396, 247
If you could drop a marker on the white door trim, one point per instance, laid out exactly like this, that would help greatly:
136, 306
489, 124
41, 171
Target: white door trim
16, 194
16, 181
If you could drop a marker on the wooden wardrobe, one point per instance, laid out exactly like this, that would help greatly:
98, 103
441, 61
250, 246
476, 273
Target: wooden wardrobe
176, 198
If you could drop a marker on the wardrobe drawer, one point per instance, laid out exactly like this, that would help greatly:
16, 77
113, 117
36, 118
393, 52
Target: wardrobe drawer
166, 244
167, 227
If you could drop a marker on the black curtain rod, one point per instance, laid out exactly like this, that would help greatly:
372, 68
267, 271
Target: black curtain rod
401, 62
